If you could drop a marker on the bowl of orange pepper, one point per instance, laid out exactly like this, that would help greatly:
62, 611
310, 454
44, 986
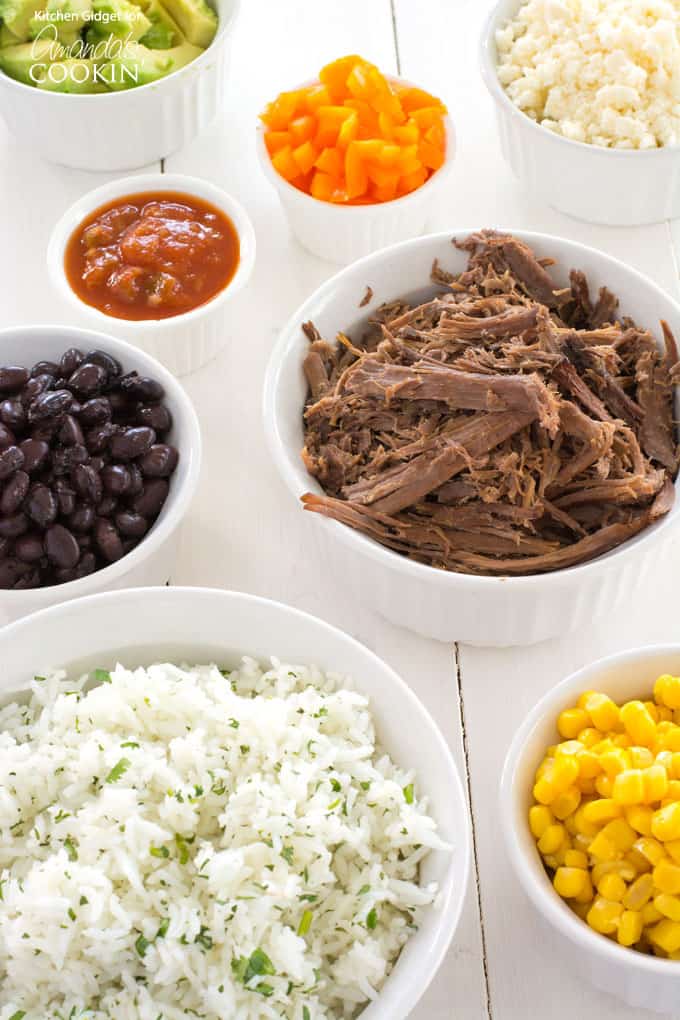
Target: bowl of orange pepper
356, 157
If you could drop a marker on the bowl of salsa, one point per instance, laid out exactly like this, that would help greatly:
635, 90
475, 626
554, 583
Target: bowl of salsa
157, 258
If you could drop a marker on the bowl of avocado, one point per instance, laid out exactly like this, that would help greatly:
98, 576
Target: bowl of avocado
158, 66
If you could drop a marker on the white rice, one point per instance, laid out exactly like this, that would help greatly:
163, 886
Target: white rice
179, 842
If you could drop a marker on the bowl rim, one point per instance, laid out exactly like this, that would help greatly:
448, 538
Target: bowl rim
136, 184
453, 887
166, 523
542, 895
298, 481
357, 211
223, 30
489, 71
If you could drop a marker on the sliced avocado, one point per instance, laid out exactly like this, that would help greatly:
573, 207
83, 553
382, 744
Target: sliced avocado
19, 61
8, 38
16, 16
74, 76
118, 18
139, 65
164, 32
69, 17
196, 19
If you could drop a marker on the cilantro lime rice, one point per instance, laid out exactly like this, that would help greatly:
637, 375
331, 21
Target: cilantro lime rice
183, 842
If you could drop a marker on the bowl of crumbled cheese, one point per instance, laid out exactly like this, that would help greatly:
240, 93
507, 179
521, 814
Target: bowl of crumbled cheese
587, 96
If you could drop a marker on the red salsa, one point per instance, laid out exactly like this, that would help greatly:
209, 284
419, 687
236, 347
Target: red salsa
152, 256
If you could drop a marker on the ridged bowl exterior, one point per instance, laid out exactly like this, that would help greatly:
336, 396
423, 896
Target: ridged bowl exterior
122, 130
440, 604
615, 187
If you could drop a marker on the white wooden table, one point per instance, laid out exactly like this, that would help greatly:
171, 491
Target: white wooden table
245, 533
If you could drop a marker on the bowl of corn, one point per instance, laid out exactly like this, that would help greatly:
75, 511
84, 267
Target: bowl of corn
590, 804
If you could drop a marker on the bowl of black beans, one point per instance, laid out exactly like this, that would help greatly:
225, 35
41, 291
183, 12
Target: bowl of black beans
100, 454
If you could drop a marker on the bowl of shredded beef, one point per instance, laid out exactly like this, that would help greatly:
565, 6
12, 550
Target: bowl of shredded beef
491, 426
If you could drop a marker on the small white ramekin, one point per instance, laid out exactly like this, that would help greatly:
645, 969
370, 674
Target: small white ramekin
641, 981
616, 187
183, 342
153, 560
343, 233
441, 604
123, 130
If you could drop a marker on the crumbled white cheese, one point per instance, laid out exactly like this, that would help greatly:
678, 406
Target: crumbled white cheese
605, 72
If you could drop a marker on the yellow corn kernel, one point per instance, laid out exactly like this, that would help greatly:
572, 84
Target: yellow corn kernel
583, 698
604, 714
640, 757
630, 928
622, 740
666, 876
638, 723
620, 833
569, 823
568, 748
571, 722
558, 777
581, 842
583, 825
637, 861
666, 822
650, 848
614, 761
604, 786
603, 849
668, 905
672, 848
551, 861
655, 780
652, 709
600, 811
540, 817
667, 691
665, 758
670, 737
552, 838
605, 744
604, 916
650, 914
588, 764
566, 803
675, 762
544, 767
586, 786
587, 893
664, 713
666, 935
622, 868
569, 882
580, 909
612, 887
673, 790
589, 737
639, 892
639, 817
629, 787
576, 859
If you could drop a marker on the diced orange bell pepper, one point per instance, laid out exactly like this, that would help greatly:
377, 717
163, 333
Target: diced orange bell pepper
275, 140
284, 163
334, 75
382, 176
410, 182
388, 155
437, 135
302, 128
414, 98
356, 178
329, 121
323, 186
384, 192
368, 118
330, 162
279, 114
426, 116
305, 156
408, 161
316, 96
349, 129
430, 155
408, 133
385, 101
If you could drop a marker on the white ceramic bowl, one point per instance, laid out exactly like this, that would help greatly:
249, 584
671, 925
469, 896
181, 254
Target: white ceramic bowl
438, 603
198, 624
153, 560
642, 981
182, 342
344, 233
123, 130
617, 187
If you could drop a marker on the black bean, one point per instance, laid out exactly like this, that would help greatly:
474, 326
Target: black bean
87, 483
108, 540
112, 367
99, 437
120, 403
29, 547
61, 546
13, 378
131, 525
159, 462
88, 380
11, 460
29, 580
107, 505
50, 406
13, 525
132, 443
45, 368
35, 453
70, 432
36, 385
156, 416
70, 360
95, 411
7, 437
14, 492
62, 575
152, 497
99, 461
83, 538
136, 480
65, 458
11, 570
87, 565
116, 478
13, 414
41, 505
45, 431
65, 496
142, 388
